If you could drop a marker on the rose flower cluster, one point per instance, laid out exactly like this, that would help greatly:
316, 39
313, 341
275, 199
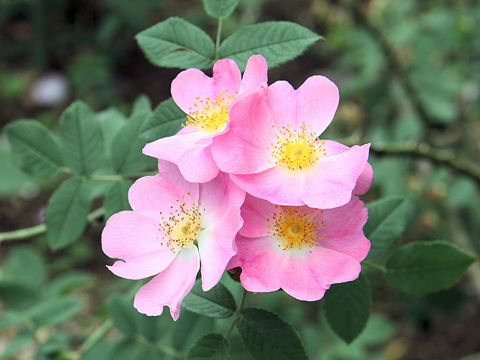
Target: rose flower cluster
246, 183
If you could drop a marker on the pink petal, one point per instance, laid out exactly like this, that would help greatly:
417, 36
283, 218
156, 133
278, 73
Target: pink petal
331, 182
155, 194
218, 195
170, 286
261, 264
190, 152
188, 86
217, 246
317, 101
307, 278
243, 149
129, 234
255, 73
226, 76
136, 240
276, 185
282, 103
364, 181
255, 213
344, 229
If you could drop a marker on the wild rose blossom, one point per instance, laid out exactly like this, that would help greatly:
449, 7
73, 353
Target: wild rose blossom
301, 250
175, 227
206, 100
272, 150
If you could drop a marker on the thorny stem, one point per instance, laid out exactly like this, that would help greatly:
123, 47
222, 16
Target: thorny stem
238, 312
219, 34
40, 229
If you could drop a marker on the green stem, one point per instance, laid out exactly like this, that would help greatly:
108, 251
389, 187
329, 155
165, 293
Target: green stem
438, 156
375, 266
40, 229
96, 336
219, 34
238, 312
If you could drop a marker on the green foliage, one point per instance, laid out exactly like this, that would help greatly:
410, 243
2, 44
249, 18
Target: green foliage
266, 336
387, 219
34, 149
66, 215
81, 138
277, 41
220, 8
347, 307
216, 303
424, 267
26, 267
54, 311
177, 43
116, 198
166, 120
210, 347
127, 157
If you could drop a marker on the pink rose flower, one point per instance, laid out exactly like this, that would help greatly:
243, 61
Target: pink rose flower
206, 100
272, 150
301, 250
174, 227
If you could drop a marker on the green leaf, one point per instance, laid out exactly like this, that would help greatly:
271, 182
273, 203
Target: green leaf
116, 198
387, 219
219, 8
15, 345
166, 120
217, 302
66, 283
16, 295
111, 121
424, 267
26, 266
347, 307
34, 148
55, 311
81, 138
277, 41
66, 215
210, 347
129, 349
126, 152
177, 43
189, 328
267, 337
12, 318
123, 315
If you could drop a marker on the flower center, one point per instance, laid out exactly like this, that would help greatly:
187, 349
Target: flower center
182, 226
210, 114
296, 227
296, 148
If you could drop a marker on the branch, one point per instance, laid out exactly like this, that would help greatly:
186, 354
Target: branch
438, 156
40, 229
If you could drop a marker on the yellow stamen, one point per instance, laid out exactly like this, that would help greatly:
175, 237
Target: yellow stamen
182, 226
210, 114
297, 148
296, 227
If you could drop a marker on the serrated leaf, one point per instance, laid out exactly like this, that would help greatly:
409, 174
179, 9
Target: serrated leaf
217, 302
177, 43
210, 347
277, 41
424, 267
55, 311
267, 337
126, 152
34, 148
66, 215
219, 8
166, 120
116, 198
347, 307
189, 328
81, 138
387, 219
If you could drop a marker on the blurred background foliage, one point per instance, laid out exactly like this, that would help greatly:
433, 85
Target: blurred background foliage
408, 71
